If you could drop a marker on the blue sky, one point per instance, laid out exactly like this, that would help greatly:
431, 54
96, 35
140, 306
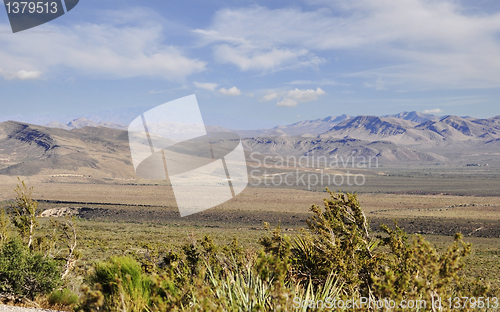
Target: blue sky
254, 64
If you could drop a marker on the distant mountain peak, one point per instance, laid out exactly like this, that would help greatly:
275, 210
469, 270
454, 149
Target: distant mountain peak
336, 119
84, 122
414, 116
374, 124
57, 124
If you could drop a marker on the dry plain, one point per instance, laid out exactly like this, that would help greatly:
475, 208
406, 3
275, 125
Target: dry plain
120, 214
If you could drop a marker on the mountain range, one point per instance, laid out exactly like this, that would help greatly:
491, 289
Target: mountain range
88, 148
445, 131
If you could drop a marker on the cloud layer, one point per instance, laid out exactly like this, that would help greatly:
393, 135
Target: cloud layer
128, 47
422, 44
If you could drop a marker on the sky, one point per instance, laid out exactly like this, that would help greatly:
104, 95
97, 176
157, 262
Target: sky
255, 64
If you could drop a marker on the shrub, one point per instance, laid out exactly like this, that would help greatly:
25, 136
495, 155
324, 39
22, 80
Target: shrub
31, 265
339, 240
418, 270
26, 273
64, 297
117, 284
25, 209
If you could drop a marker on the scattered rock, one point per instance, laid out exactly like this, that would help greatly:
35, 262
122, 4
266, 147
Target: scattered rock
61, 212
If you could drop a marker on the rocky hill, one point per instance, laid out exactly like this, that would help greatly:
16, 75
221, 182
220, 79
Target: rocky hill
28, 150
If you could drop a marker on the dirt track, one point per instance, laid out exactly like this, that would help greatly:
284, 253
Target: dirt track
19, 309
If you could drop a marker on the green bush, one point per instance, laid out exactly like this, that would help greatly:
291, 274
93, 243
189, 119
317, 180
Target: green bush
339, 240
26, 273
117, 284
25, 212
417, 270
63, 297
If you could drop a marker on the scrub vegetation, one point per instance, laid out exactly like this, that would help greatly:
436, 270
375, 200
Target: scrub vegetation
70, 264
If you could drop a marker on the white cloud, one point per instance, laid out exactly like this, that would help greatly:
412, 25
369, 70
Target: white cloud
120, 47
287, 102
21, 75
270, 96
230, 91
433, 111
246, 59
205, 85
293, 97
430, 44
246, 49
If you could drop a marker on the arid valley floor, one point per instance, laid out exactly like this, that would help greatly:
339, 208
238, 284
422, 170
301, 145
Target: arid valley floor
88, 173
